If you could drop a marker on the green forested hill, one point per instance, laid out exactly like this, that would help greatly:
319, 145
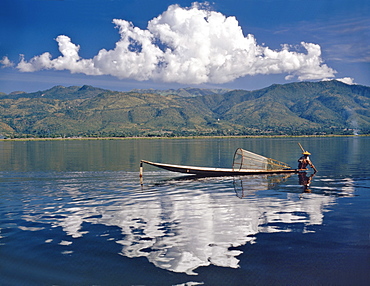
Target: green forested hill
328, 107
58, 92
299, 107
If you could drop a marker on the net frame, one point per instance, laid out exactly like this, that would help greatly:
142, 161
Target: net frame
246, 160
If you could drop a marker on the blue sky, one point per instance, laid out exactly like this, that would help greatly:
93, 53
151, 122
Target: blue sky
122, 45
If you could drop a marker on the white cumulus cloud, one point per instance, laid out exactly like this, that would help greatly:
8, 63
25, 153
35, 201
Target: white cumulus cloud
186, 45
6, 63
347, 80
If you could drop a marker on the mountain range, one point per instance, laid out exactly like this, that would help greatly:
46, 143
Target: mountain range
302, 108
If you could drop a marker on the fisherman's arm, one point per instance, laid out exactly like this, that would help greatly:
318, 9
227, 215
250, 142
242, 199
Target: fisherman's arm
313, 167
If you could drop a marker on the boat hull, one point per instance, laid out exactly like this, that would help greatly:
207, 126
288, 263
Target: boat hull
216, 172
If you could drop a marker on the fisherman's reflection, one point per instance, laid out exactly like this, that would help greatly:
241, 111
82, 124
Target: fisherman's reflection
305, 181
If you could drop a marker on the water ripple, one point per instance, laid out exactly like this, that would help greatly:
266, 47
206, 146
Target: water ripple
178, 224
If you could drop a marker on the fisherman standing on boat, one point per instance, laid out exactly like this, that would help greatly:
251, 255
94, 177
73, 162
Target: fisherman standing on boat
305, 160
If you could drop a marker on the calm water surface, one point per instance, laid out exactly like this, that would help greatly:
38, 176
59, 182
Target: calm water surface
75, 213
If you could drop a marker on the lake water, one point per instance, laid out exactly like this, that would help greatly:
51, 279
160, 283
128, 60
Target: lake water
74, 212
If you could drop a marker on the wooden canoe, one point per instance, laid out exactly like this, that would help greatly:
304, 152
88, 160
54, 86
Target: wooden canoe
215, 172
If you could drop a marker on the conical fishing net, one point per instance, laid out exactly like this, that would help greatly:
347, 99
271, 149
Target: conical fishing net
248, 160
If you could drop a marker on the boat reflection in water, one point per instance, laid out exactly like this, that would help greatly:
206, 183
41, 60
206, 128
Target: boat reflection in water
180, 225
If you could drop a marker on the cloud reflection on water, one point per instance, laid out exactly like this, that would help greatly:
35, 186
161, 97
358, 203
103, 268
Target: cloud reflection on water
180, 225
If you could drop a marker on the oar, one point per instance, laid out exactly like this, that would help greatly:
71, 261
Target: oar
301, 146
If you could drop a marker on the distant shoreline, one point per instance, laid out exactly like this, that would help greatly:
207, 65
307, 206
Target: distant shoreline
179, 137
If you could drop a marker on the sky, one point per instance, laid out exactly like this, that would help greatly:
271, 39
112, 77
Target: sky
140, 44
